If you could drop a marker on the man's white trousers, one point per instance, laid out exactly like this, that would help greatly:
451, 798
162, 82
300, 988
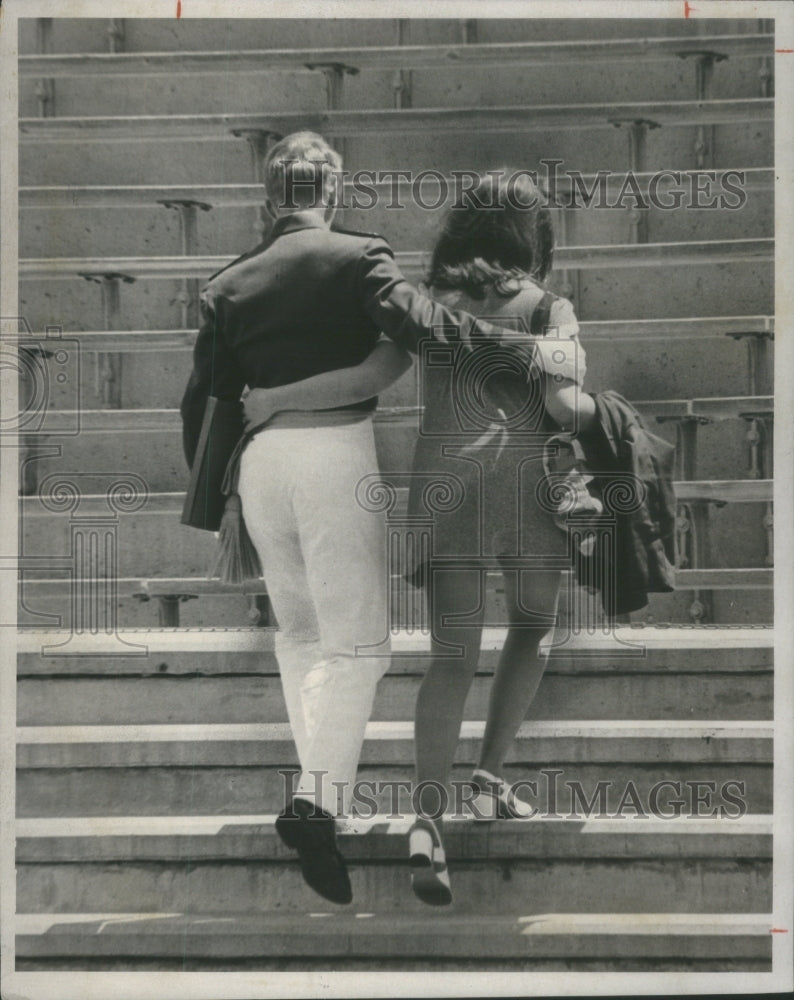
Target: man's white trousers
324, 564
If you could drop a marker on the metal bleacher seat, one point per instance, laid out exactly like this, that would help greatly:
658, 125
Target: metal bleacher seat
405, 57
685, 328
403, 121
250, 195
411, 262
169, 592
113, 421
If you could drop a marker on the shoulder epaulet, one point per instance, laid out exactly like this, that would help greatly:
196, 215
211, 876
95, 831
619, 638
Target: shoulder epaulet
355, 232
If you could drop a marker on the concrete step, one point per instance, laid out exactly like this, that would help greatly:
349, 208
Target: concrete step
233, 765
151, 542
641, 741
47, 596
120, 790
735, 608
48, 600
725, 289
152, 229
142, 197
125, 222
148, 442
631, 941
143, 66
251, 698
227, 126
232, 676
207, 162
206, 864
218, 651
751, 608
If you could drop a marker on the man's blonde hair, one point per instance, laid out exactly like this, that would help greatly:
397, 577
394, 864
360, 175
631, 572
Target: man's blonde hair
301, 171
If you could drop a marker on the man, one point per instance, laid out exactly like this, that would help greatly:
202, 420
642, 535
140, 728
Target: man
312, 299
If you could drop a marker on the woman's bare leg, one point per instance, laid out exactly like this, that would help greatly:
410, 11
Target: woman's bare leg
442, 695
521, 665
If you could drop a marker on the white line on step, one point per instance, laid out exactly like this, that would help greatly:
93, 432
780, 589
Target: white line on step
700, 825
651, 924
647, 923
40, 923
258, 640
209, 826
270, 731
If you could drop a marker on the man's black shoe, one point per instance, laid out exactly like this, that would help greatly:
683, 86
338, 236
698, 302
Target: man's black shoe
311, 831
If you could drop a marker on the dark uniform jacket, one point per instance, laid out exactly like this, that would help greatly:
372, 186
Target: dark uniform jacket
307, 300
633, 471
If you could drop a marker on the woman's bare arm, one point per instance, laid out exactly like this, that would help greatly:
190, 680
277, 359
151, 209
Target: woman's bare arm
383, 366
573, 409
561, 354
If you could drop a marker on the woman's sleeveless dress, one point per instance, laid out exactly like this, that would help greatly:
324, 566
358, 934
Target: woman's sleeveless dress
478, 462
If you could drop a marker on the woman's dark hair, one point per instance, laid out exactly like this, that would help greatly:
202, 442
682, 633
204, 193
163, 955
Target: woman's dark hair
497, 232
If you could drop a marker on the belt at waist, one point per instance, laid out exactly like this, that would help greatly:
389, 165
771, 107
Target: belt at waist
316, 418
286, 419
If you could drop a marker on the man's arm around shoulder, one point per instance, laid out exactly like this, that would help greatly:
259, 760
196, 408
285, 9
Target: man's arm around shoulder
407, 316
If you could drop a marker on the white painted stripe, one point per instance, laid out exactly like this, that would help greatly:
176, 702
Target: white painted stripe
208, 826
559, 729
701, 825
194, 640
241, 640
654, 924
257, 640
166, 733
636, 729
40, 923
689, 924
629, 824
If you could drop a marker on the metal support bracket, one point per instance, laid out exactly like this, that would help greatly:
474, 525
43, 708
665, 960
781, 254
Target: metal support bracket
109, 367
402, 81
259, 143
759, 360
334, 74
116, 34
704, 70
188, 231
686, 444
259, 610
637, 132
694, 551
45, 88
468, 30
766, 72
167, 606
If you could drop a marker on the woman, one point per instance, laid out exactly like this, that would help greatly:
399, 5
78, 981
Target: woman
485, 428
